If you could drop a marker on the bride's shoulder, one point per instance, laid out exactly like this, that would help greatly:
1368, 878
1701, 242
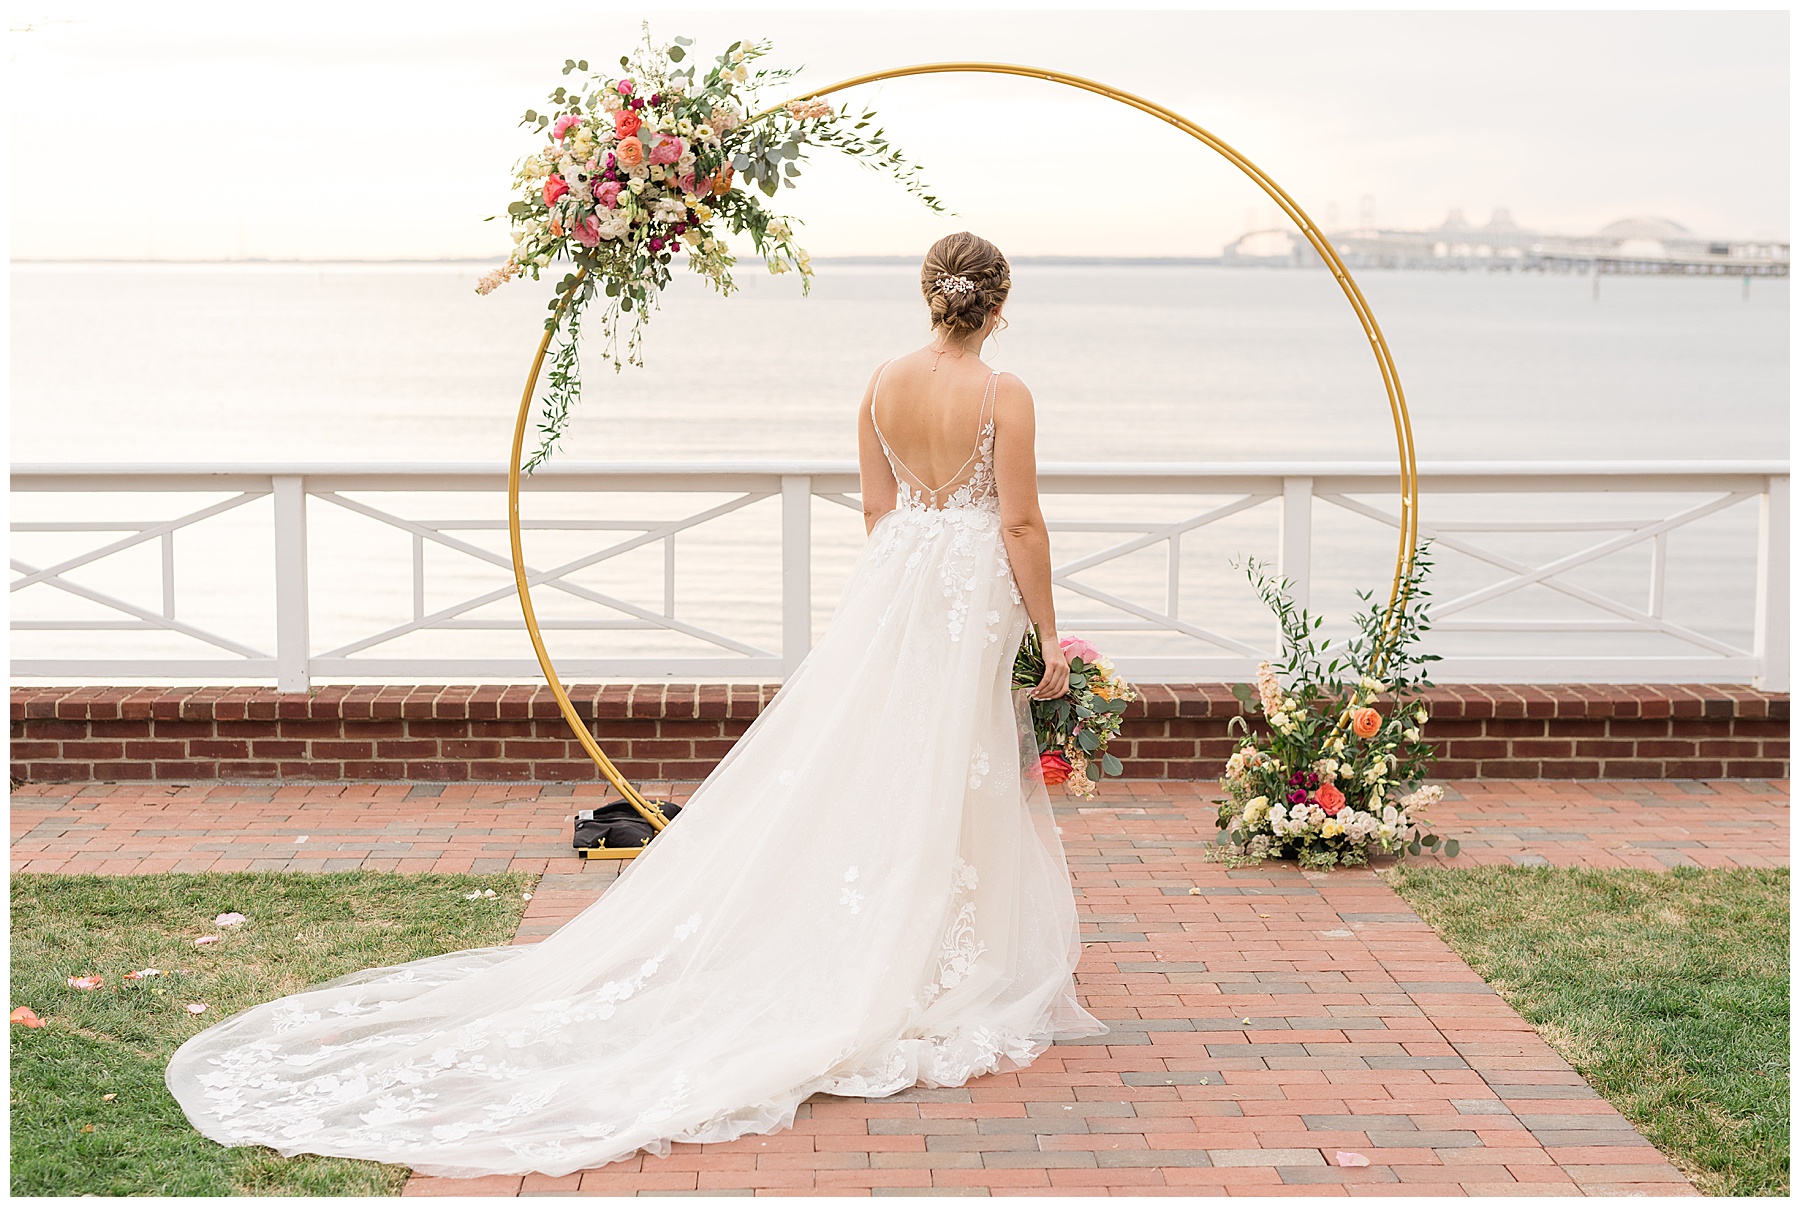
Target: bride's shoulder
1010, 392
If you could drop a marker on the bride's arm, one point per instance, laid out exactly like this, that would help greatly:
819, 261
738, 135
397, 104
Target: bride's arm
1022, 524
879, 489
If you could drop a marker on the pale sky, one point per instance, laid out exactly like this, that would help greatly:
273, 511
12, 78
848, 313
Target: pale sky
387, 129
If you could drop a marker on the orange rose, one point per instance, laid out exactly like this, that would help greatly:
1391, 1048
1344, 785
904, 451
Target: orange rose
1365, 722
722, 185
1330, 799
629, 153
1055, 768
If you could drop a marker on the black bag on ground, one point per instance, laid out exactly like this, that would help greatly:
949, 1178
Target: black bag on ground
616, 824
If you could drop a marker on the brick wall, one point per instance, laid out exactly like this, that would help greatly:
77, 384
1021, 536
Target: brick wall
680, 731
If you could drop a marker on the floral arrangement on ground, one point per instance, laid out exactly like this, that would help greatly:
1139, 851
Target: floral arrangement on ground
1334, 779
654, 162
1074, 730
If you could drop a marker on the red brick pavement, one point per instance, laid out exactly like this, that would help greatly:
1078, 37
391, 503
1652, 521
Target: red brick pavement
1263, 1020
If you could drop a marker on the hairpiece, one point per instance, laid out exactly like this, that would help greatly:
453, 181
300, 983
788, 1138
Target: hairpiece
954, 284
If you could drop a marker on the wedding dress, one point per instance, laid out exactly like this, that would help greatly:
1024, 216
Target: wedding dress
868, 893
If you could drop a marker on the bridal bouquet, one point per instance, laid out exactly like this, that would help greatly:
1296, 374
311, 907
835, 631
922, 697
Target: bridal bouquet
1335, 777
1074, 729
657, 161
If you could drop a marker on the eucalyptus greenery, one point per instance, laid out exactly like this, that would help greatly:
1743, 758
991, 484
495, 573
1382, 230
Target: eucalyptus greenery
661, 159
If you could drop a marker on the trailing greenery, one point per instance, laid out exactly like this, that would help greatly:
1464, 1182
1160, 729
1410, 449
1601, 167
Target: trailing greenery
70, 1138
1667, 991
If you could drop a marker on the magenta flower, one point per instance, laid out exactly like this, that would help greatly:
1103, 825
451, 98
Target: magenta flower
656, 244
624, 87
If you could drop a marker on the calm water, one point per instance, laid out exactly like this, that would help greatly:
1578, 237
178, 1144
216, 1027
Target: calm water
407, 363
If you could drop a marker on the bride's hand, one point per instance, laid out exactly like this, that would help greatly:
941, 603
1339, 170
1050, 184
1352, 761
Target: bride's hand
1056, 674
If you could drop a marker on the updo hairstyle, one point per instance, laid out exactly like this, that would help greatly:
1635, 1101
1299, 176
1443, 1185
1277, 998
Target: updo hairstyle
956, 259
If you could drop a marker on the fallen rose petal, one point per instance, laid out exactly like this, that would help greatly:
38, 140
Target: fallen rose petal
87, 1127
229, 920
203, 940
107, 1097
196, 1007
1349, 1160
470, 896
524, 896
25, 1016
143, 973
86, 982
488, 892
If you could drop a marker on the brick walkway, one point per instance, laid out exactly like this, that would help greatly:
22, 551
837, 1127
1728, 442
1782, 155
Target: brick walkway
1264, 1020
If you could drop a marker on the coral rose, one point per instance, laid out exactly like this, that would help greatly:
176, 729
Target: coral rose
554, 186
1055, 768
630, 153
1330, 800
626, 123
1365, 722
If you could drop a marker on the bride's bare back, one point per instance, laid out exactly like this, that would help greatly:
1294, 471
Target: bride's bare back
930, 409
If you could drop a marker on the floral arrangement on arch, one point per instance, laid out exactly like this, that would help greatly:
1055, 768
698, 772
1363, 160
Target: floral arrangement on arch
1335, 778
658, 161
1074, 730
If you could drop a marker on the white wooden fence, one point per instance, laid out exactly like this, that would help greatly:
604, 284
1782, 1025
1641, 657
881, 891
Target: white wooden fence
98, 555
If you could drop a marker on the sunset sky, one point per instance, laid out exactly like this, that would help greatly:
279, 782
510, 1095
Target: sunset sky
375, 130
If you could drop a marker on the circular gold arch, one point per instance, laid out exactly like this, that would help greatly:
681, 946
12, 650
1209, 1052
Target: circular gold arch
1409, 487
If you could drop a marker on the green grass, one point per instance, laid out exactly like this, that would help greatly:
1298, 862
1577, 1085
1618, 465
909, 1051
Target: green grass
303, 928
1668, 992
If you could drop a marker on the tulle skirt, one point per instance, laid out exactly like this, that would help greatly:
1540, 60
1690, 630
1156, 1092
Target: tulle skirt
867, 894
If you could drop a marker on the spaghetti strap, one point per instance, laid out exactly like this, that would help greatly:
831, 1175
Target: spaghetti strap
984, 421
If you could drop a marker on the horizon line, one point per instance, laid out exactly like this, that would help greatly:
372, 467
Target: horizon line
495, 260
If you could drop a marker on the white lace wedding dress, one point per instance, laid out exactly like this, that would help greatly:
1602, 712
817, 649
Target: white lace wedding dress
868, 893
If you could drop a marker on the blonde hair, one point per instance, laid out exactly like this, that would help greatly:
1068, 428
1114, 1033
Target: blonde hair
963, 278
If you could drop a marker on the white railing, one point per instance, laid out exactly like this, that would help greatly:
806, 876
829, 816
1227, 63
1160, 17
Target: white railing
257, 630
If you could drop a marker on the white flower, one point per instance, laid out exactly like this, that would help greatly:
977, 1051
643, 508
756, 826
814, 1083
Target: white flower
1253, 812
1411, 735
637, 185
1421, 716
703, 132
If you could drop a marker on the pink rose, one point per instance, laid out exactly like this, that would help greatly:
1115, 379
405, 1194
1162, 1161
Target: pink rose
587, 231
685, 183
554, 186
563, 123
667, 150
606, 192
1075, 647
625, 87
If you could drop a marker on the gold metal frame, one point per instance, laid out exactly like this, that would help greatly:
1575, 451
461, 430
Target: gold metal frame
1409, 484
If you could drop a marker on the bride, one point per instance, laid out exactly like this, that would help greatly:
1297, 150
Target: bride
867, 894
